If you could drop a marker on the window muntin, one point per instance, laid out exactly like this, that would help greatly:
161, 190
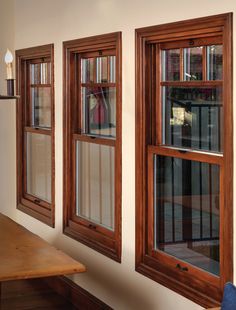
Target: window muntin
98, 95
98, 69
191, 91
192, 63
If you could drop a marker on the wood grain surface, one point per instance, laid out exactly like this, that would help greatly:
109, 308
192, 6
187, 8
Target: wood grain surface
25, 255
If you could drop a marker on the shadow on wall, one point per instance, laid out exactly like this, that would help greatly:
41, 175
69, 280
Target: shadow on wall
123, 290
114, 283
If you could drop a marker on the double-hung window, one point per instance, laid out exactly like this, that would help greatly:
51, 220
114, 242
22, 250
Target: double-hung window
35, 132
92, 142
184, 156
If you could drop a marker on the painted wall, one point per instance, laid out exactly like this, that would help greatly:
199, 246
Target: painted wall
7, 115
54, 21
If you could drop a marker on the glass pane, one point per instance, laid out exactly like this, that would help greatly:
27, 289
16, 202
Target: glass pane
95, 183
102, 70
40, 73
214, 62
87, 70
186, 204
170, 65
193, 63
112, 60
99, 111
193, 118
41, 106
39, 166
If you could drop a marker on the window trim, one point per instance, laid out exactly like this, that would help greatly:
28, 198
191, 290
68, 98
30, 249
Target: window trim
145, 263
43, 211
107, 243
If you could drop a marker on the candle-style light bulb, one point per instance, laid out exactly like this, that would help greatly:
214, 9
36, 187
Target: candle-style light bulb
8, 61
8, 57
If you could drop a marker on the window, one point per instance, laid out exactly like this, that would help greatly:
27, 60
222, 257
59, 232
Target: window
35, 133
184, 156
92, 142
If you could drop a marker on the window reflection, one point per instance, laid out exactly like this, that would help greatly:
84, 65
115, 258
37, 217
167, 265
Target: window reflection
186, 203
87, 70
193, 117
41, 106
193, 63
95, 183
171, 65
214, 62
102, 69
39, 166
40, 73
99, 111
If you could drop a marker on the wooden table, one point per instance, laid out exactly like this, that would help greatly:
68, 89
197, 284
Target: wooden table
24, 255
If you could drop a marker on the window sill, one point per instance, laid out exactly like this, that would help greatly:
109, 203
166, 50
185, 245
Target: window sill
202, 299
46, 219
111, 250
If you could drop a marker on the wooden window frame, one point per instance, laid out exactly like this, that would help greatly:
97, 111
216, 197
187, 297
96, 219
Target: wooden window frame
85, 231
199, 286
37, 208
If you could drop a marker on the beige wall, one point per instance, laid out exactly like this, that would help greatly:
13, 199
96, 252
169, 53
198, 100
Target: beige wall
7, 115
53, 21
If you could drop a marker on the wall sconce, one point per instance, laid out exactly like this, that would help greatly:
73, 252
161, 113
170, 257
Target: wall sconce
10, 80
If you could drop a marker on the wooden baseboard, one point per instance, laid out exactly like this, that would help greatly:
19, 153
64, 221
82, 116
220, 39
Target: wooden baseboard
79, 297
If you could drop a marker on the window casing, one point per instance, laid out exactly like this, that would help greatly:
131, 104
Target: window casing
184, 156
35, 132
92, 142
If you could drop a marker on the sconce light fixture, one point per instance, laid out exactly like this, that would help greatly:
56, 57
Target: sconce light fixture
10, 80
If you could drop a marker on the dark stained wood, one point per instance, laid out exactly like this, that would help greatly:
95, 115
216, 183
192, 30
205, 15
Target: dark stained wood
32, 209
38, 130
227, 182
98, 53
3, 97
98, 85
50, 293
40, 85
24, 57
196, 42
188, 154
95, 139
193, 83
195, 284
204, 63
75, 294
93, 235
32, 294
24, 255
